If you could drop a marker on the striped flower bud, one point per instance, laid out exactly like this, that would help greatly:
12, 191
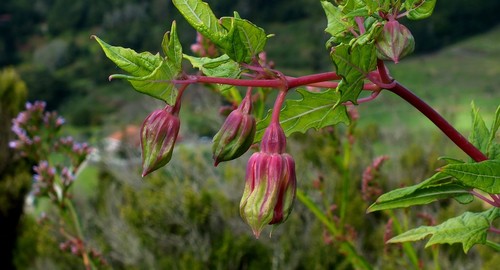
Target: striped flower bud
158, 134
394, 42
236, 134
270, 183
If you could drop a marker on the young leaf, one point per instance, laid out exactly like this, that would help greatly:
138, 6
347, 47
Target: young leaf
138, 64
419, 9
480, 134
353, 63
314, 110
439, 186
201, 17
494, 147
221, 66
336, 23
483, 175
244, 39
172, 47
468, 229
149, 74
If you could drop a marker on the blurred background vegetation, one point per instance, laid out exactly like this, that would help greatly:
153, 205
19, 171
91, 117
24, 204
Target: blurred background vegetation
186, 216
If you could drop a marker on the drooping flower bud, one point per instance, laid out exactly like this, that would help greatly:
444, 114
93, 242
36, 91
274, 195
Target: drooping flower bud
394, 42
158, 134
236, 135
274, 139
270, 183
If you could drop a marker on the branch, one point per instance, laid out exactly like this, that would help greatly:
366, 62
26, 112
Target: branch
290, 82
439, 121
430, 113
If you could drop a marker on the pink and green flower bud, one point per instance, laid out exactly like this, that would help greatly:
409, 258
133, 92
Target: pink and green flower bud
394, 42
236, 135
270, 184
274, 139
158, 134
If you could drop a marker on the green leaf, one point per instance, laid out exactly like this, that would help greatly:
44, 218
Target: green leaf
314, 110
480, 135
222, 66
353, 63
157, 84
468, 229
172, 47
439, 186
201, 17
484, 175
493, 147
138, 64
149, 74
244, 39
419, 9
336, 23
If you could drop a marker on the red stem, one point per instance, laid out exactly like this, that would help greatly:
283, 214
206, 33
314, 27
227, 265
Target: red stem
275, 118
439, 121
430, 113
272, 83
483, 198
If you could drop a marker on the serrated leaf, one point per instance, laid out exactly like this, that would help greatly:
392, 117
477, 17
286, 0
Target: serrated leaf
439, 186
336, 23
480, 135
353, 63
484, 175
419, 9
149, 74
314, 110
244, 39
493, 151
201, 17
156, 84
468, 229
172, 47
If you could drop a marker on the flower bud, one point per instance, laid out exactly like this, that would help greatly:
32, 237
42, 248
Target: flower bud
394, 42
274, 139
236, 135
270, 183
158, 134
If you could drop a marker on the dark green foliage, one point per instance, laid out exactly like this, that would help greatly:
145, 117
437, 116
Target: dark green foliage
14, 180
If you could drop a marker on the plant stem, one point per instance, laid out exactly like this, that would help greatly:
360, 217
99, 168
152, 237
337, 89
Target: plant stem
345, 182
493, 245
494, 230
78, 228
275, 118
439, 121
407, 247
430, 113
483, 198
271, 83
